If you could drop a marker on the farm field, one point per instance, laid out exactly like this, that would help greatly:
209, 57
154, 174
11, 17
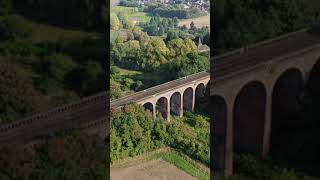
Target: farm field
160, 164
156, 169
199, 21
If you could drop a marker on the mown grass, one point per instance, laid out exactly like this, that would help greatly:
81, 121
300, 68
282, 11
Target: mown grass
133, 13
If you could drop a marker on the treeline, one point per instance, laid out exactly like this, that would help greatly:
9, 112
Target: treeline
134, 132
73, 156
86, 14
129, 3
159, 26
177, 11
164, 10
243, 22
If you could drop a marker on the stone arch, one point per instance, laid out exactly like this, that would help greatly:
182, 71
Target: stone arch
249, 118
200, 93
175, 104
148, 106
162, 106
188, 99
218, 128
313, 85
286, 102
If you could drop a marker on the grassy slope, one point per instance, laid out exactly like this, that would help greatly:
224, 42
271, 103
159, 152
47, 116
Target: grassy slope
47, 33
84, 44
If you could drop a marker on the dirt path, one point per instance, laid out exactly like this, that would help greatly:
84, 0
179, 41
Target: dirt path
151, 170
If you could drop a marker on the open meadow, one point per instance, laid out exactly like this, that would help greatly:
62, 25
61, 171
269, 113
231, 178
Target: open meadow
199, 21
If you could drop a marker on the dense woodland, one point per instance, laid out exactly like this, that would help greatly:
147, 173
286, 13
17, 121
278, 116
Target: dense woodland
239, 23
73, 156
48, 58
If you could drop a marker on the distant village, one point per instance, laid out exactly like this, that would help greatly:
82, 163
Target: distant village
199, 4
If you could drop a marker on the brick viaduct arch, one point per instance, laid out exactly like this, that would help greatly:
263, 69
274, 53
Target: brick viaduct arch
178, 101
246, 104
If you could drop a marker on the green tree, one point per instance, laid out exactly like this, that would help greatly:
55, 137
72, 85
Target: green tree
5, 9
114, 22
18, 97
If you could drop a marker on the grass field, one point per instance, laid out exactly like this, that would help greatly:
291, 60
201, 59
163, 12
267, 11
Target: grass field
199, 22
126, 72
133, 13
36, 32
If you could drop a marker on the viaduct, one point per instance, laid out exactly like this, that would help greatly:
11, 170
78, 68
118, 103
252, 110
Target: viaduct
256, 87
174, 97
91, 114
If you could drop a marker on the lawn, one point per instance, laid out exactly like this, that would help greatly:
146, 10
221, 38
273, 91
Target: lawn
199, 21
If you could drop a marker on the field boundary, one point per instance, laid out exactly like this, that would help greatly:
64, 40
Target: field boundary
159, 154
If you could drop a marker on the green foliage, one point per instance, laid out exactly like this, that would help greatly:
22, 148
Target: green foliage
72, 13
248, 167
41, 72
128, 3
134, 131
74, 156
124, 20
245, 22
114, 22
186, 64
180, 47
18, 97
173, 11
158, 26
5, 9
